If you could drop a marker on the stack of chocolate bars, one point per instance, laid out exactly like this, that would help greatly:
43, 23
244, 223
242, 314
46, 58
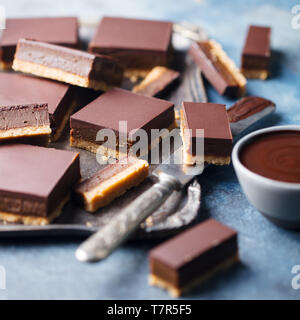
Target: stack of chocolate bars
40, 98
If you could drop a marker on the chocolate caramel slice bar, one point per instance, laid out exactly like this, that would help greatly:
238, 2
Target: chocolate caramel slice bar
193, 256
24, 122
67, 65
139, 45
157, 82
111, 182
35, 182
213, 119
256, 53
218, 68
61, 30
18, 89
106, 112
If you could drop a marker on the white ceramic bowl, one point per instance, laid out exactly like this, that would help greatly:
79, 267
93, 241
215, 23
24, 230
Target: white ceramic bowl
276, 200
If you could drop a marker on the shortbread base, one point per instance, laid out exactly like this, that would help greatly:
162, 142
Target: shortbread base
10, 217
58, 74
176, 292
25, 132
135, 74
229, 64
261, 74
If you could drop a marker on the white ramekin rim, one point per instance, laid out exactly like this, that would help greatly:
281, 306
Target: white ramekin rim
238, 166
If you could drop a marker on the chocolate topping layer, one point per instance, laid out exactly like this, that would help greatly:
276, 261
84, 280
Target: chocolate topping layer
104, 174
34, 180
139, 111
62, 31
274, 155
246, 107
135, 43
35, 115
213, 119
22, 90
256, 52
193, 252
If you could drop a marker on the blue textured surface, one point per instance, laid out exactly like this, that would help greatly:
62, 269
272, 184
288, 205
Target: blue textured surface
47, 269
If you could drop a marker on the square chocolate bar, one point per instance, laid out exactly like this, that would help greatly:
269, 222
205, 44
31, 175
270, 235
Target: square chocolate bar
35, 182
61, 31
139, 45
107, 112
183, 262
213, 119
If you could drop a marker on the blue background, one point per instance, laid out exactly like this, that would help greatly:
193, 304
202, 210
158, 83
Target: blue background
47, 269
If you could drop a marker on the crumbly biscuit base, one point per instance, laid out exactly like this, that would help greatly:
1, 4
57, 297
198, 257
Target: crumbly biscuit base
261, 74
229, 64
155, 74
58, 74
33, 220
177, 292
29, 131
107, 191
57, 134
95, 148
134, 74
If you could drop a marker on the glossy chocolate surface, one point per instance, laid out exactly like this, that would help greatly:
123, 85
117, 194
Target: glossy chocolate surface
274, 155
17, 89
256, 52
117, 105
246, 107
213, 119
193, 252
35, 176
62, 31
135, 43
